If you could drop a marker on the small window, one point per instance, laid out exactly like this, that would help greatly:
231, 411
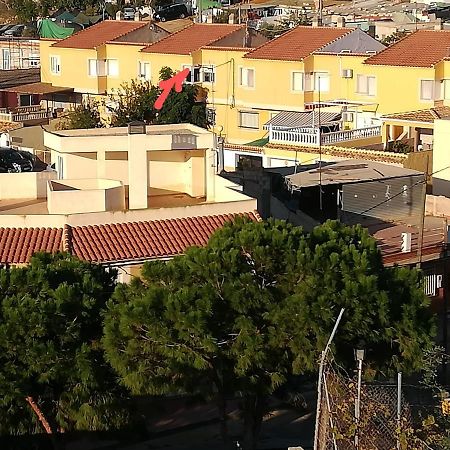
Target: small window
25, 100
249, 119
247, 77
298, 81
112, 67
426, 90
6, 57
366, 85
92, 67
144, 71
321, 82
209, 75
446, 88
189, 77
55, 65
33, 60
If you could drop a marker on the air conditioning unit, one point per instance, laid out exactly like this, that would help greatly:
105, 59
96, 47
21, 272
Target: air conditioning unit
347, 73
406, 243
348, 116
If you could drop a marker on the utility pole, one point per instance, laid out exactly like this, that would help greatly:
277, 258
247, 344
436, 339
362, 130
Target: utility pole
399, 406
422, 216
319, 384
359, 355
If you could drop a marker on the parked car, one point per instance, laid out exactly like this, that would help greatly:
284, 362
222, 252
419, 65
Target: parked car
12, 161
171, 12
6, 27
128, 13
16, 30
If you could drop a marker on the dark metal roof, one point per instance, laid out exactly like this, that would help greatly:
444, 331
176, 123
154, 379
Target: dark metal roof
343, 172
17, 77
306, 119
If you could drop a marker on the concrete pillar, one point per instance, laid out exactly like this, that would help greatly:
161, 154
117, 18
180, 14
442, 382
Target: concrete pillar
391, 132
210, 169
101, 164
119, 15
138, 176
137, 16
231, 18
340, 22
416, 138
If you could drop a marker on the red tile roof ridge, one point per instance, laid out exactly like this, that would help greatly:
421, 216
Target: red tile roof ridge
412, 35
350, 30
294, 30
236, 27
242, 49
98, 25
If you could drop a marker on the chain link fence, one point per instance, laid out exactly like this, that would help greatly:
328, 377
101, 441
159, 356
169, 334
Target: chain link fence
362, 417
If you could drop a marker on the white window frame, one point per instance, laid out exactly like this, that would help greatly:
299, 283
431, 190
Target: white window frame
108, 67
209, 70
143, 73
6, 62
251, 113
293, 81
421, 96
92, 67
446, 89
244, 77
55, 63
322, 77
365, 81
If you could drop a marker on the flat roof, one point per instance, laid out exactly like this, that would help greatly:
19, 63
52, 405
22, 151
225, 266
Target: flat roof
170, 129
38, 88
345, 172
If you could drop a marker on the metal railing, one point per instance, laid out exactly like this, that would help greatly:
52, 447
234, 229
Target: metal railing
303, 137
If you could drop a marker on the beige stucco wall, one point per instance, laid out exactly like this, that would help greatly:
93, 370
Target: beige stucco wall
441, 157
30, 185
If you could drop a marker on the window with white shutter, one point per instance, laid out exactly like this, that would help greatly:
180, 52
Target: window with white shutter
247, 77
426, 90
321, 81
366, 84
297, 81
309, 82
144, 71
55, 65
112, 67
371, 86
249, 119
92, 67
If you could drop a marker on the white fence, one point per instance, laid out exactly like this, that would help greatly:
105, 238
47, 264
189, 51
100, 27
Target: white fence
303, 137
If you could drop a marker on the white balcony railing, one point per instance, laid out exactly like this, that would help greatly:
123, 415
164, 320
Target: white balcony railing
303, 137
24, 116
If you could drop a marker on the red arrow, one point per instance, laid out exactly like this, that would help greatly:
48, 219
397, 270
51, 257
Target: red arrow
167, 85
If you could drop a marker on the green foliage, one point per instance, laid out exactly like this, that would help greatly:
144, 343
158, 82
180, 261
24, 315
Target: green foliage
86, 115
294, 20
135, 100
50, 332
256, 306
394, 37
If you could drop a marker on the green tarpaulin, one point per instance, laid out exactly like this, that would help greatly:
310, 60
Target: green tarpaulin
49, 29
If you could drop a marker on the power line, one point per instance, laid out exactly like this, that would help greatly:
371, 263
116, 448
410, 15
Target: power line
401, 192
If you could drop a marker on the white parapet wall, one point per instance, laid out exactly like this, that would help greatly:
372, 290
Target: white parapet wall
25, 185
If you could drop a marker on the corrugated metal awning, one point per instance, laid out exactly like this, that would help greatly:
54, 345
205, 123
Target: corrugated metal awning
307, 119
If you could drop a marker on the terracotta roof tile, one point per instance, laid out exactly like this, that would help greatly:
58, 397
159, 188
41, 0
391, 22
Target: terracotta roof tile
145, 240
297, 43
100, 33
191, 38
17, 245
422, 115
423, 48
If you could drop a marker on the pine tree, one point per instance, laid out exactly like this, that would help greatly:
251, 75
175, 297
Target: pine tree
257, 305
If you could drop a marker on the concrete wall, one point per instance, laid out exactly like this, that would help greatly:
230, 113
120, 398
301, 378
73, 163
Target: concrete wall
30, 185
441, 157
83, 196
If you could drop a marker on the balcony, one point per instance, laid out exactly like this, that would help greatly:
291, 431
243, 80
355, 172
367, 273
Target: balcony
313, 136
25, 114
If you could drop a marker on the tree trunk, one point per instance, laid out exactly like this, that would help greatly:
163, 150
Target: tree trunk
253, 406
223, 418
40, 415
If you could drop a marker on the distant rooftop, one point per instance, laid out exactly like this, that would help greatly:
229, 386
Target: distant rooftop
344, 172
